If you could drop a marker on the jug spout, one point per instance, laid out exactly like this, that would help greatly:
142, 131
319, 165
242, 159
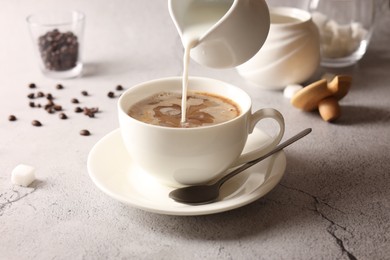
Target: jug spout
222, 33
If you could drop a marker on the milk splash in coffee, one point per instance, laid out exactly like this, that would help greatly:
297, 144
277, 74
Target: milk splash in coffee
204, 109
200, 17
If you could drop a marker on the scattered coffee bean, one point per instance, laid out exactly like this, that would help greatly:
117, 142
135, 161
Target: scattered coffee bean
50, 110
78, 110
85, 132
62, 116
59, 51
36, 123
51, 107
119, 87
50, 104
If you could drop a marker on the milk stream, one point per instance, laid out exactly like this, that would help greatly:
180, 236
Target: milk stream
201, 17
186, 63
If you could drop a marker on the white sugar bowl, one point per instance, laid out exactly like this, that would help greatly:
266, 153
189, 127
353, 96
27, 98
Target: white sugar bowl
290, 54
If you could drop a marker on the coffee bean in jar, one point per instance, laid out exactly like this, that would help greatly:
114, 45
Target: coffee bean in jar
59, 50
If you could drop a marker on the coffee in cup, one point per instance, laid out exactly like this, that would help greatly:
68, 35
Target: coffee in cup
203, 109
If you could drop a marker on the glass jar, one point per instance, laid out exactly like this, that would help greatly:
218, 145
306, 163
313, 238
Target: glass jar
345, 28
57, 41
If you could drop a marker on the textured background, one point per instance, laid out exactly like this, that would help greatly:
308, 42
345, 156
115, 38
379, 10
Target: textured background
332, 203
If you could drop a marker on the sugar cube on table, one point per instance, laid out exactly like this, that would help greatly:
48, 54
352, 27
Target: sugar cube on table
290, 90
23, 175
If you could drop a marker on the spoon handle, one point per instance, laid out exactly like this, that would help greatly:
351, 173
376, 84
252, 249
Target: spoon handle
275, 150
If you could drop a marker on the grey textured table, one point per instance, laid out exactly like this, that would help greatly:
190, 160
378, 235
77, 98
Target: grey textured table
332, 202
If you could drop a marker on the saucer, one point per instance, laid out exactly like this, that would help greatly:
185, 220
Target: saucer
113, 172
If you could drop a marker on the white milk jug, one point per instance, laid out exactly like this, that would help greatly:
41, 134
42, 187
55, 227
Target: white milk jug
221, 33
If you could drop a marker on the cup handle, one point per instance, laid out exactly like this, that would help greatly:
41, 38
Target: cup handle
254, 119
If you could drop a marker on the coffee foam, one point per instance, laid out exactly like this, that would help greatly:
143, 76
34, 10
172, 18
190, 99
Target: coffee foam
203, 109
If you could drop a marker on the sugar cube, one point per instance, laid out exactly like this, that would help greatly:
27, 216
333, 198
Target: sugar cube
290, 90
23, 175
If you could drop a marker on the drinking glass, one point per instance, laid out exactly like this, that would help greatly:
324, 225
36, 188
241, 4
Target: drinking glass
57, 39
345, 28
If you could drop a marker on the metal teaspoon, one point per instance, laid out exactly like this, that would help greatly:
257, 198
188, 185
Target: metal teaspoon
203, 194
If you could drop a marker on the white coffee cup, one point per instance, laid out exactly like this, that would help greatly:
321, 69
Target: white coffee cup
189, 156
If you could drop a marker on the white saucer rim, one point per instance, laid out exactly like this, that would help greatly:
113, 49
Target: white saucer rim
183, 209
